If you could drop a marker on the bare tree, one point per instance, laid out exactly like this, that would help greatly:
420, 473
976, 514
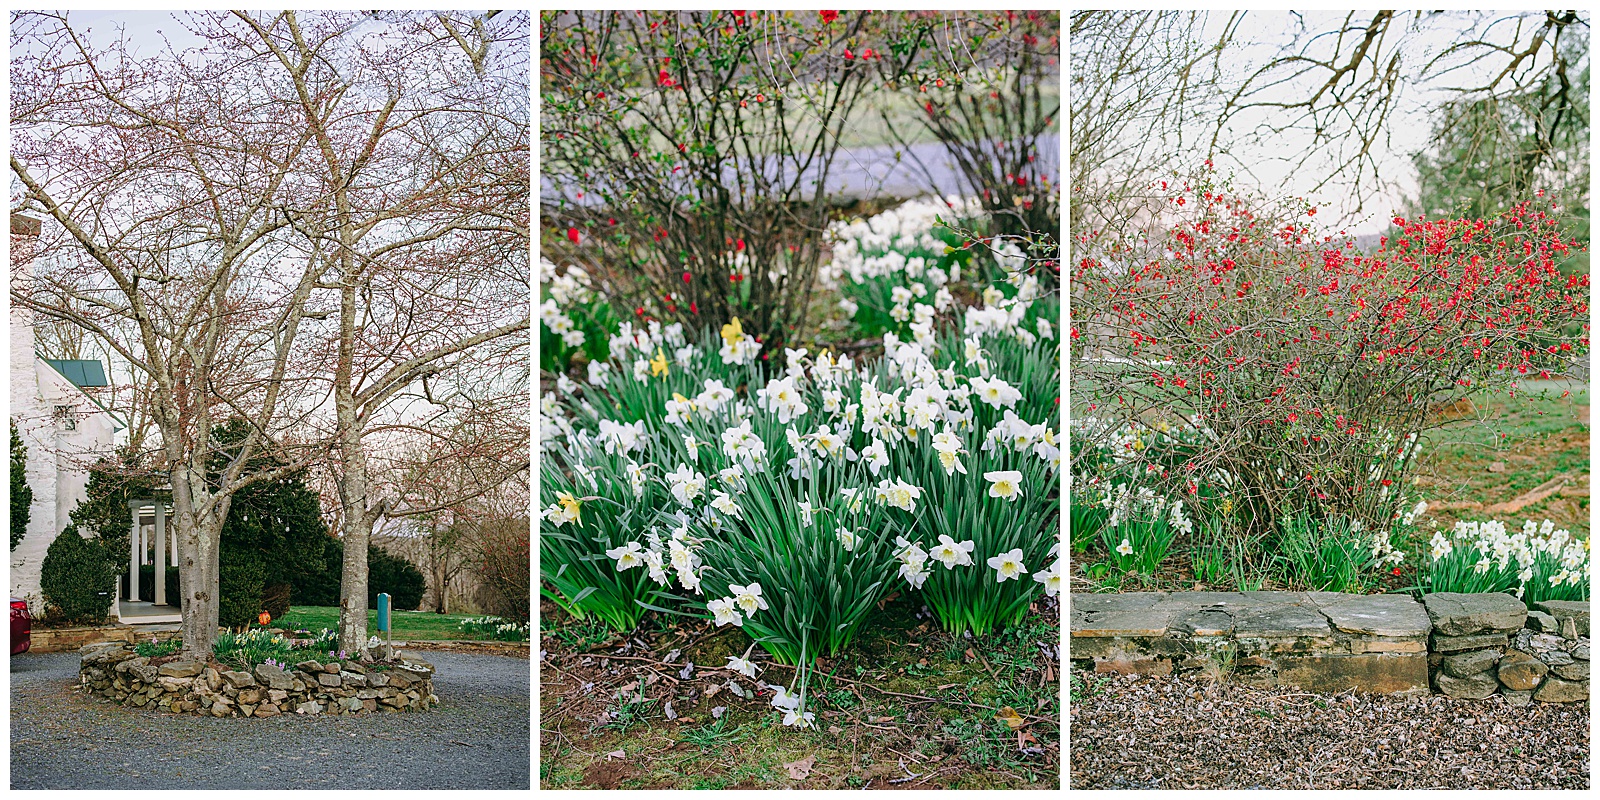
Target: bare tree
164, 178
424, 227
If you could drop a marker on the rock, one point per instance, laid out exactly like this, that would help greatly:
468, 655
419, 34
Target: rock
1392, 615
212, 678
220, 709
1540, 621
331, 668
277, 696
273, 677
1576, 671
1575, 610
181, 669
1520, 671
1476, 687
1464, 614
267, 710
1497, 466
144, 672
1205, 622
400, 679
312, 667
1556, 690
1516, 698
355, 666
179, 685
353, 680
247, 709
1456, 644
239, 680
377, 679
352, 704
308, 707
369, 704
1556, 658
326, 679
1471, 662
249, 696
1581, 652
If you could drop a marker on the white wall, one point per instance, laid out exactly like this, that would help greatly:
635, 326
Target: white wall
57, 457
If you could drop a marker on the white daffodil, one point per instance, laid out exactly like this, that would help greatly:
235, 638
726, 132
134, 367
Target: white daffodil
847, 539
877, 456
724, 503
741, 666
1008, 565
915, 573
783, 699
724, 613
798, 719
686, 484
1005, 484
627, 556
748, 598
1051, 578
1125, 548
951, 553
807, 515
899, 494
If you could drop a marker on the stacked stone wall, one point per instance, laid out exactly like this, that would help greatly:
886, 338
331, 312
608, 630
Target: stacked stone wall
117, 673
1331, 642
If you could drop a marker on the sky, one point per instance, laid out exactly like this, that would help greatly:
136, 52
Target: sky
1264, 165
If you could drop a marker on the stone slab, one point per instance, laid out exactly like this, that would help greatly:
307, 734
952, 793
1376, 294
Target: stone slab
1280, 621
1147, 622
1379, 673
1393, 615
1556, 690
1205, 622
1127, 601
1463, 614
1477, 641
1472, 687
1576, 610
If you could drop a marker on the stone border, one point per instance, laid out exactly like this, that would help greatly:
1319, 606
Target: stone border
1322, 641
182, 686
1485, 644
58, 640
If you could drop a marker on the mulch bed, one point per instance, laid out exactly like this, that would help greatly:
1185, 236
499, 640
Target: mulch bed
1138, 732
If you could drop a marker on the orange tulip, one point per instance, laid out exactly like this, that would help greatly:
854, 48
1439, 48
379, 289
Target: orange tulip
265, 618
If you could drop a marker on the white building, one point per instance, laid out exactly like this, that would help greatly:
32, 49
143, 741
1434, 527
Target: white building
63, 427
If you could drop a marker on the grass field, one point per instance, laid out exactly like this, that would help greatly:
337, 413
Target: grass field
408, 625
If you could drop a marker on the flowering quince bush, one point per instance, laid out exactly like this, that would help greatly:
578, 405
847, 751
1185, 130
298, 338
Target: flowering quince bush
1239, 362
788, 501
1537, 563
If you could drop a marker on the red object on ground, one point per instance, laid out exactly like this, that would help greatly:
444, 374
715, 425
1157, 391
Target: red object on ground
21, 627
572, 233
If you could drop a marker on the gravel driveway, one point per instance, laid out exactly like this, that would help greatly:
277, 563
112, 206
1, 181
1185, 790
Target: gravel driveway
1167, 733
477, 739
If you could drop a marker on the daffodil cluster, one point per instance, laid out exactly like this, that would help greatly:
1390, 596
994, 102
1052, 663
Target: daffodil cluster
1538, 562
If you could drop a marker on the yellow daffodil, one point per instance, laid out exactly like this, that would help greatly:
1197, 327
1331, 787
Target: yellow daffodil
658, 365
571, 506
733, 332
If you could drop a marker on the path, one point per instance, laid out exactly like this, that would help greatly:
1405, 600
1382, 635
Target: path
478, 739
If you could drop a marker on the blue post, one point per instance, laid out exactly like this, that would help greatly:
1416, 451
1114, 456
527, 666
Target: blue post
383, 611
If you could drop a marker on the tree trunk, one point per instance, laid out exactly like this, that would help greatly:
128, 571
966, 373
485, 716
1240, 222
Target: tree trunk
199, 536
353, 486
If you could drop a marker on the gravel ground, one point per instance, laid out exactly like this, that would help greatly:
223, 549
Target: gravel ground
1170, 733
479, 738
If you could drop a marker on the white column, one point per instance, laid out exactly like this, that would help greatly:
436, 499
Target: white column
161, 554
174, 550
133, 556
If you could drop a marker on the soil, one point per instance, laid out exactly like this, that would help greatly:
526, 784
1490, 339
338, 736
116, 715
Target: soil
908, 706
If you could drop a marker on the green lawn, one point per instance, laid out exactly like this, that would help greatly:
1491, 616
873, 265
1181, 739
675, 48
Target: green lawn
408, 625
